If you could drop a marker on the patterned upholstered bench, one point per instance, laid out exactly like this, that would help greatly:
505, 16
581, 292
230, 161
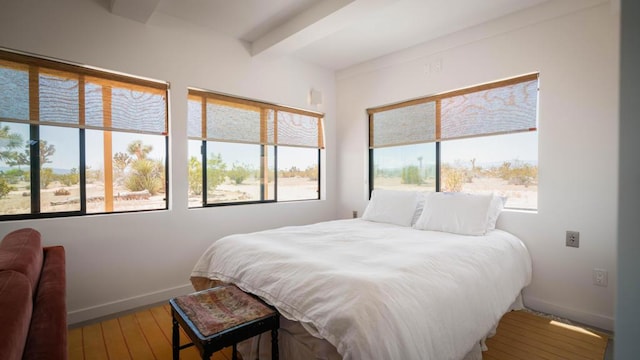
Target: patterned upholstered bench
220, 317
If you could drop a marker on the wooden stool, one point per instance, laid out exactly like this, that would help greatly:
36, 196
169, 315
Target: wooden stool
220, 317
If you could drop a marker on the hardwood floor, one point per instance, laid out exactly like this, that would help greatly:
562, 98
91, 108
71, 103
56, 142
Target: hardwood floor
522, 335
146, 335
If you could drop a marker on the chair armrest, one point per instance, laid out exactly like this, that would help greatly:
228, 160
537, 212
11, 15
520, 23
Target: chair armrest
47, 337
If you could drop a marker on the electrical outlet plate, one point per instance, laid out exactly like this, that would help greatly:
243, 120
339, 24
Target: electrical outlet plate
600, 277
573, 239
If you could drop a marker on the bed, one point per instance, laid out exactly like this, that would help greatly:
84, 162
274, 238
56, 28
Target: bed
371, 289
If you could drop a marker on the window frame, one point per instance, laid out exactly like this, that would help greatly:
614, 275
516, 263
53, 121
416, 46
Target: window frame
264, 144
438, 139
37, 65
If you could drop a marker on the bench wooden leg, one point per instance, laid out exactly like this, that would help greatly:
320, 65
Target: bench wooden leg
274, 344
234, 352
176, 340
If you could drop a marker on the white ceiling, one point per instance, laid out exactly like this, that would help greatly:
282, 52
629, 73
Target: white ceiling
332, 33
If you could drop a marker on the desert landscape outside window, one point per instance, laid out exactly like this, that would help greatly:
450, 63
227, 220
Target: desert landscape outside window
481, 139
253, 151
76, 140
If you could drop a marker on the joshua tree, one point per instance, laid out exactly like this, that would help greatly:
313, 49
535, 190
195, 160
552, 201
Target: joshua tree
9, 142
46, 152
121, 161
137, 149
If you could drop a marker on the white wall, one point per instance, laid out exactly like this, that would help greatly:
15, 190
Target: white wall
117, 262
576, 53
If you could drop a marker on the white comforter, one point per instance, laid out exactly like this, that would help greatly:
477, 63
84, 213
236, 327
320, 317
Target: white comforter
378, 291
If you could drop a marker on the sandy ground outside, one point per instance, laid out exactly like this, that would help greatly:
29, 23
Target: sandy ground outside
18, 201
295, 188
289, 189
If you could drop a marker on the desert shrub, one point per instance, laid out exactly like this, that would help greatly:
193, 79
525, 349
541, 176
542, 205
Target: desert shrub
215, 171
517, 173
93, 175
452, 178
14, 176
147, 175
195, 176
311, 173
46, 177
387, 173
61, 192
411, 175
239, 173
524, 175
69, 179
5, 188
292, 172
270, 174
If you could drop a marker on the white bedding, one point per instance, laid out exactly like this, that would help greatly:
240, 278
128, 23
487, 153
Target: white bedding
378, 291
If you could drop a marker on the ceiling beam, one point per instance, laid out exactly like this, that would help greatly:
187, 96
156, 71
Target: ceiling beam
138, 10
317, 22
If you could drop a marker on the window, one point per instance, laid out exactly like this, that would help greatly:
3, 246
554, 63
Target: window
253, 151
75, 140
478, 140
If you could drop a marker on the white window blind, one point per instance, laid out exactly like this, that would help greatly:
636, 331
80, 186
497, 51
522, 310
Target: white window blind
299, 130
14, 91
231, 122
405, 125
215, 117
40, 91
505, 106
504, 109
58, 97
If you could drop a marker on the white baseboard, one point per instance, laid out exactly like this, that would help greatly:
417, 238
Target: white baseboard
119, 306
596, 320
124, 305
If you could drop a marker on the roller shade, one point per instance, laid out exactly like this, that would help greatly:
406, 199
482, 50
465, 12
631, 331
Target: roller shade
504, 109
58, 94
215, 117
299, 130
232, 122
133, 108
14, 91
44, 92
500, 107
406, 125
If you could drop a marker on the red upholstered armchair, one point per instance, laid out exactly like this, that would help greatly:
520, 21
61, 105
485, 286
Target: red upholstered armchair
32, 298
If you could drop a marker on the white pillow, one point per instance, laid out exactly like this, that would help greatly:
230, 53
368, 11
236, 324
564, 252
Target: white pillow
391, 206
495, 208
422, 198
457, 213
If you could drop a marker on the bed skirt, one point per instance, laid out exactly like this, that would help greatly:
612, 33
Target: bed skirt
296, 343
